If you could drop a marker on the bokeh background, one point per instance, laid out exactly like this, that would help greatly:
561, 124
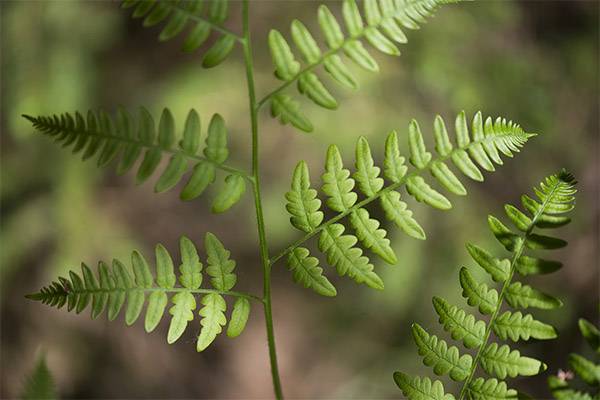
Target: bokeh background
535, 62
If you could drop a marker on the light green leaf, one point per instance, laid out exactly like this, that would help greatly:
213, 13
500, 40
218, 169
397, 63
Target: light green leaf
416, 186
396, 211
302, 201
520, 220
504, 235
348, 259
528, 265
338, 71
490, 389
476, 150
419, 154
107, 284
330, 27
289, 112
519, 295
367, 174
99, 299
305, 42
182, 312
380, 42
499, 270
477, 293
417, 389
165, 275
462, 325
584, 369
352, 18
234, 188
357, 53
212, 321
309, 84
394, 162
437, 354
157, 301
446, 177
286, 65
501, 361
191, 267
516, 326
368, 232
239, 317
338, 186
306, 272
220, 266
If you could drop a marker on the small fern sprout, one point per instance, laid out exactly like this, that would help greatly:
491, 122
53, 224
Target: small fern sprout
116, 286
482, 145
580, 367
497, 360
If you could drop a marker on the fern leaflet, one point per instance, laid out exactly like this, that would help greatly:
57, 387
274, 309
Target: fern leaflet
498, 361
98, 135
340, 185
181, 14
385, 21
116, 285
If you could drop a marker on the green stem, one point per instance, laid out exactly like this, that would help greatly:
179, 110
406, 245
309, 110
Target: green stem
264, 254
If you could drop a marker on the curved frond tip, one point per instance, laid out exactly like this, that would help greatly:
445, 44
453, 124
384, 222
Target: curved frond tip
348, 193
116, 285
99, 135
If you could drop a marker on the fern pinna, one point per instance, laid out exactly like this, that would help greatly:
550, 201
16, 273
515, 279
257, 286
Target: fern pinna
97, 135
580, 367
180, 14
116, 285
555, 196
483, 144
384, 19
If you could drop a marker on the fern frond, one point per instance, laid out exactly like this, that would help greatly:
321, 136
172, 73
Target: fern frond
184, 13
98, 135
344, 190
496, 359
381, 24
116, 285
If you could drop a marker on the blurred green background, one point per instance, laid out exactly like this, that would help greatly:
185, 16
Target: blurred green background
535, 62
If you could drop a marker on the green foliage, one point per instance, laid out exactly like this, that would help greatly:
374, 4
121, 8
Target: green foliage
116, 285
496, 360
483, 143
581, 367
98, 135
184, 13
385, 21
40, 383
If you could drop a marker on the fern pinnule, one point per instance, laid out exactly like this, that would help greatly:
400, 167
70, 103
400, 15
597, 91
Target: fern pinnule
180, 14
116, 286
98, 135
382, 26
483, 145
496, 360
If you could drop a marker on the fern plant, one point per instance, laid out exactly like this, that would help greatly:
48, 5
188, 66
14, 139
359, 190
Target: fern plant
346, 237
587, 370
554, 197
